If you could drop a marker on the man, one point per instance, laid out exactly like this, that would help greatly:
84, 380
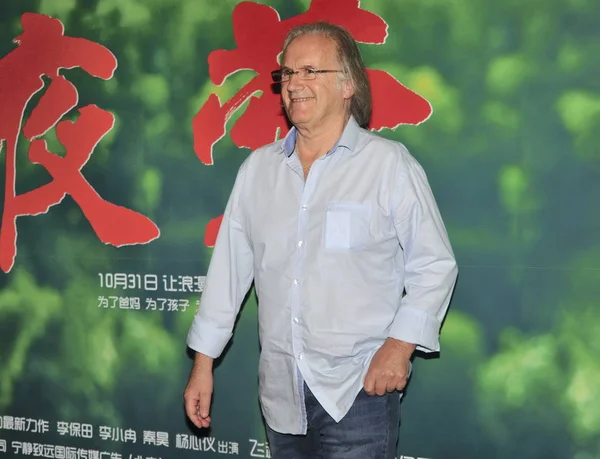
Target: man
352, 266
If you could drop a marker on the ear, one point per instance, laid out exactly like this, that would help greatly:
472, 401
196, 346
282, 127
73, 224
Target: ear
347, 89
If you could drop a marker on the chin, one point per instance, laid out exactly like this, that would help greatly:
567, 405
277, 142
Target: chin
299, 120
299, 115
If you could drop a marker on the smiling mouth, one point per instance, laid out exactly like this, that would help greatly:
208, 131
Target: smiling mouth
302, 99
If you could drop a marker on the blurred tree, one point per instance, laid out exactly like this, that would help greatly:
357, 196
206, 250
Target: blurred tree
542, 390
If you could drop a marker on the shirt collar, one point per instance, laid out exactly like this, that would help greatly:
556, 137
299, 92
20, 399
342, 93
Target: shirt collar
347, 140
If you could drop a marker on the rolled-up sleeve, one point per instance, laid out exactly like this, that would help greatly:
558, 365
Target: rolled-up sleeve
429, 263
229, 277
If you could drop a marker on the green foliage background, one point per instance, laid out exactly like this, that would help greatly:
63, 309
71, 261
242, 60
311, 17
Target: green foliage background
512, 153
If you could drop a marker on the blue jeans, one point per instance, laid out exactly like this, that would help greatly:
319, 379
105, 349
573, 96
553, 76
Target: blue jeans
368, 431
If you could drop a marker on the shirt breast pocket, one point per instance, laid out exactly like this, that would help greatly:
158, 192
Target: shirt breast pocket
347, 225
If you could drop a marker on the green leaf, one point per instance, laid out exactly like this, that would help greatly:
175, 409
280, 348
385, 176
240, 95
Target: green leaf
578, 110
507, 74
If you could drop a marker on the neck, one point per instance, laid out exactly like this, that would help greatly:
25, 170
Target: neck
314, 142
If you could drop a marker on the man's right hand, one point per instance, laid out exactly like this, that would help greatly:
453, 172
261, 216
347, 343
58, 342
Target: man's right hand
198, 392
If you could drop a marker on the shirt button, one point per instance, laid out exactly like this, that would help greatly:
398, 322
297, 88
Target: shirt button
296, 320
304, 207
295, 281
300, 243
300, 356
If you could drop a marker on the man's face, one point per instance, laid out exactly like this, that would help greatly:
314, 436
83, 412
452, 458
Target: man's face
314, 103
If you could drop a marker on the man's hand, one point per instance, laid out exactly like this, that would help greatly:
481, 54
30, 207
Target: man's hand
199, 390
389, 369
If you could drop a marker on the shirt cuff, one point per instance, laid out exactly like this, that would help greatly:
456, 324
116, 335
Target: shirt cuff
417, 327
207, 339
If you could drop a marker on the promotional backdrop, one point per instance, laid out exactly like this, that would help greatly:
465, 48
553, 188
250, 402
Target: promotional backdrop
122, 125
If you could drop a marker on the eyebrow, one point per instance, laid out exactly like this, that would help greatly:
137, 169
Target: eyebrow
303, 67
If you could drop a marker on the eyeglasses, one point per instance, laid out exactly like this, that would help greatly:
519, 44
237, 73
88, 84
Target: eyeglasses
285, 74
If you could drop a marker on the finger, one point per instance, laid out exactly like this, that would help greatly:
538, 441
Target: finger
204, 404
401, 384
380, 387
391, 385
403, 381
369, 384
191, 409
205, 422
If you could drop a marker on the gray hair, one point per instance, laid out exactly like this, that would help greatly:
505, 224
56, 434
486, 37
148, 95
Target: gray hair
352, 64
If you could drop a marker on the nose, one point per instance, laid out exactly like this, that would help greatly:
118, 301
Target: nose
294, 83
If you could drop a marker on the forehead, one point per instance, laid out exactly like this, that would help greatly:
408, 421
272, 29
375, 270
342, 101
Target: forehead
310, 50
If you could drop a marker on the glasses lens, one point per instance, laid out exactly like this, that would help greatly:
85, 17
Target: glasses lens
307, 74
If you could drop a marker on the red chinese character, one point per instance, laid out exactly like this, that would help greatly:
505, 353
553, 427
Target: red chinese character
259, 35
43, 50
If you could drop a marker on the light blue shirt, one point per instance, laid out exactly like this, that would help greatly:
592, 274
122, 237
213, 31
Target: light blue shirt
330, 258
